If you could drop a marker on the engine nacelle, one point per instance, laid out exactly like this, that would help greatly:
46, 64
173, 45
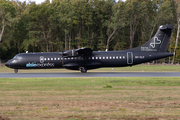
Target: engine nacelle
77, 52
70, 53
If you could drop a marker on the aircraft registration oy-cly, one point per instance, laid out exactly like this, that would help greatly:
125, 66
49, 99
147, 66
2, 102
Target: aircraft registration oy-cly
84, 59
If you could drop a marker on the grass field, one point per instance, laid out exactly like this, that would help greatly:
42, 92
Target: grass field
137, 68
90, 98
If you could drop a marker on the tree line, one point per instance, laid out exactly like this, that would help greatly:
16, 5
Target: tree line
71, 24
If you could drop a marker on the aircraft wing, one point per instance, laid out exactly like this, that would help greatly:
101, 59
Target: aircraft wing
77, 52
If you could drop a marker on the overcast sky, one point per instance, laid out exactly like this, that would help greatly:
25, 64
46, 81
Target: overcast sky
40, 1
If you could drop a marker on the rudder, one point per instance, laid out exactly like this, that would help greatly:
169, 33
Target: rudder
159, 42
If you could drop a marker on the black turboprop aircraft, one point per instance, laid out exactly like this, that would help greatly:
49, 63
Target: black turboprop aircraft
84, 59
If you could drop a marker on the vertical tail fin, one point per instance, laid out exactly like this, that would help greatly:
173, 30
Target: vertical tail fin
159, 42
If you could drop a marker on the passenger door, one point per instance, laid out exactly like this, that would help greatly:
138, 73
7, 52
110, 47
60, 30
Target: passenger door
129, 58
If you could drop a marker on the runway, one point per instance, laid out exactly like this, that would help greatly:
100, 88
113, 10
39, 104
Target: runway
90, 74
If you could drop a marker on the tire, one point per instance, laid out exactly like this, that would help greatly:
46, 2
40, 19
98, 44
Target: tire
83, 69
15, 70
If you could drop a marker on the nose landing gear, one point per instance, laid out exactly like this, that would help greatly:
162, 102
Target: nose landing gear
15, 70
82, 69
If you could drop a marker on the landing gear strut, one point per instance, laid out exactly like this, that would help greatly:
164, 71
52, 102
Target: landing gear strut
83, 69
15, 70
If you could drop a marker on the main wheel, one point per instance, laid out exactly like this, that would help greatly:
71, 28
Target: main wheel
83, 69
15, 70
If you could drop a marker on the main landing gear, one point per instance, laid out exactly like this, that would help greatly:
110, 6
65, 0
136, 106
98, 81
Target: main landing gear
15, 70
82, 69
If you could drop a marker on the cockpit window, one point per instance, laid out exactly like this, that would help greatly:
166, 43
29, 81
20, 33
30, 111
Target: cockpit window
17, 57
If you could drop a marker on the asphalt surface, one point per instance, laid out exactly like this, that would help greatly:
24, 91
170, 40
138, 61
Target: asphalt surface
90, 74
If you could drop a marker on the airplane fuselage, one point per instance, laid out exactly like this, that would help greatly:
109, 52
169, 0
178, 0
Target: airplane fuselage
84, 59
96, 60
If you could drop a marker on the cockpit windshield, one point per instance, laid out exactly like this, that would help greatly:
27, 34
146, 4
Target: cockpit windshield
17, 57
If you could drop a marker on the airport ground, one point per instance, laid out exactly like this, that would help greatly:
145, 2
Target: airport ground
91, 98
136, 68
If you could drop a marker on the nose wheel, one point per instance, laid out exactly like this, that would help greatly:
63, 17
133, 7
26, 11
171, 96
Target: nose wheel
15, 70
82, 69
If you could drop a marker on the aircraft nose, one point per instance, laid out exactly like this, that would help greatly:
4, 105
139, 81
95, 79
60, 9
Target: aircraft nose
7, 64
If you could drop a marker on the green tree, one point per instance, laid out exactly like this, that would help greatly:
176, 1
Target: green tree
144, 21
7, 20
39, 28
116, 21
177, 5
134, 8
64, 14
102, 11
19, 32
7, 13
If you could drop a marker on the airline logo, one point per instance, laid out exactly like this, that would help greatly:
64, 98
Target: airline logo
41, 64
155, 42
41, 59
31, 65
